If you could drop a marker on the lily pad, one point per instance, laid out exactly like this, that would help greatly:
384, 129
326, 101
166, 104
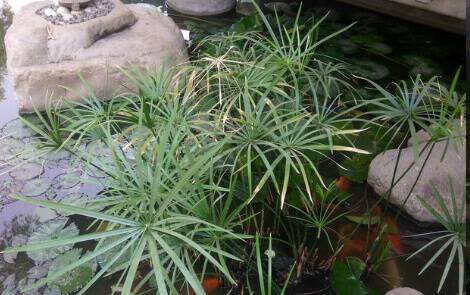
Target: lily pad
346, 275
251, 23
10, 148
57, 156
15, 233
52, 230
45, 214
74, 279
97, 148
104, 258
53, 290
347, 46
17, 129
370, 69
75, 199
35, 187
381, 48
420, 65
66, 180
372, 42
27, 171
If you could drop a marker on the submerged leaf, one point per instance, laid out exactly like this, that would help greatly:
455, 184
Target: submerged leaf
370, 69
366, 220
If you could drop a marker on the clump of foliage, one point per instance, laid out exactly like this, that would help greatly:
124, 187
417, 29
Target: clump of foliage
454, 235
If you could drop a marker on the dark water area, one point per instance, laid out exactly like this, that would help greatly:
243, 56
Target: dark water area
391, 49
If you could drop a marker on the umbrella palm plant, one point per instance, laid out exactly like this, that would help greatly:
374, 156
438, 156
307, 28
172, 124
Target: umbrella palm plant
145, 211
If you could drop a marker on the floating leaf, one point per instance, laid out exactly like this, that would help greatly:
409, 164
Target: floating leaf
51, 230
66, 180
27, 171
35, 187
420, 65
251, 23
104, 258
346, 275
74, 279
357, 167
17, 129
347, 46
10, 148
367, 220
57, 156
54, 290
370, 69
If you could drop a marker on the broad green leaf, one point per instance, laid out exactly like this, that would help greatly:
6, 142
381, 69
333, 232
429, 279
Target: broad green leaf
346, 275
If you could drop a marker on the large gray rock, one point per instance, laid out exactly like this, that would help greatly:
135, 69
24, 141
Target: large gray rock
403, 291
42, 57
202, 7
436, 171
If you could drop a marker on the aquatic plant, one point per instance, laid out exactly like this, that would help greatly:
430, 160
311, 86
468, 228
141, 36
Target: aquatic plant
421, 105
346, 277
265, 282
322, 213
54, 229
275, 139
453, 219
276, 61
161, 225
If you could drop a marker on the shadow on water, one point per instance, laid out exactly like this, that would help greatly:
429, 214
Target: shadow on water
402, 48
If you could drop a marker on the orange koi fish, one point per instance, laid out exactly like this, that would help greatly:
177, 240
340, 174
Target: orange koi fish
342, 184
209, 284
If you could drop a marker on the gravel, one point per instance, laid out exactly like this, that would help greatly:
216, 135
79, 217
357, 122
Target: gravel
59, 15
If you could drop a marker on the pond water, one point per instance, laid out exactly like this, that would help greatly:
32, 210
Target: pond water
385, 48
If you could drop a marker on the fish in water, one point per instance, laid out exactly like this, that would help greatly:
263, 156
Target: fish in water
357, 248
342, 184
395, 242
209, 284
392, 235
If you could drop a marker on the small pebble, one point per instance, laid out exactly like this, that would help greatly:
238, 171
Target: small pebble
67, 17
49, 12
63, 10
60, 15
403, 291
